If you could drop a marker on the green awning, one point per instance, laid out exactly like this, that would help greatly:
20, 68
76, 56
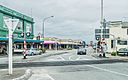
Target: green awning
28, 41
22, 40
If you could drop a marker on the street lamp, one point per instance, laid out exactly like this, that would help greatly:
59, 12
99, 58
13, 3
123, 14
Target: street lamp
44, 24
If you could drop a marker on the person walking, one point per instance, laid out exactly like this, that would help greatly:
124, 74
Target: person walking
104, 47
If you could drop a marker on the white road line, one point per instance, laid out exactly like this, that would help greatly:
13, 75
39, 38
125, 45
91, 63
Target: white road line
70, 58
122, 74
62, 58
78, 58
50, 77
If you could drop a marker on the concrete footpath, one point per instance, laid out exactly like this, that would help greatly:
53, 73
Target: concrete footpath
22, 73
109, 56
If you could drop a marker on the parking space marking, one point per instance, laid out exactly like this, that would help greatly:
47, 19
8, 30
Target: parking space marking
110, 71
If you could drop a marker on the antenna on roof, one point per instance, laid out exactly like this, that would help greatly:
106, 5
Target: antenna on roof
31, 12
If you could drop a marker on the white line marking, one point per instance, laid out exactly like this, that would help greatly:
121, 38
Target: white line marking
62, 58
78, 58
70, 58
50, 77
122, 74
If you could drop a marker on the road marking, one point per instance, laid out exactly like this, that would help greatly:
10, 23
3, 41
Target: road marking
50, 77
61, 58
70, 58
78, 58
122, 74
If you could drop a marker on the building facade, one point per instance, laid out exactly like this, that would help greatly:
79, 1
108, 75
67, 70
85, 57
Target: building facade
24, 27
116, 36
53, 43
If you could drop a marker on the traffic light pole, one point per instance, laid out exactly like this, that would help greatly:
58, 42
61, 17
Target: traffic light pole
25, 47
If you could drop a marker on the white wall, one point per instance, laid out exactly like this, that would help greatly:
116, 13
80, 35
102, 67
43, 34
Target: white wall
119, 33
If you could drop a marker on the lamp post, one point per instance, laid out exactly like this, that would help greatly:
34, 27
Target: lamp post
102, 15
43, 25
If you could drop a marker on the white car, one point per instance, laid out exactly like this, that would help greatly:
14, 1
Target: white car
33, 51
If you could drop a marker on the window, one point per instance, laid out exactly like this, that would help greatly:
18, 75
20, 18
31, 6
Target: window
20, 26
18, 46
122, 42
29, 27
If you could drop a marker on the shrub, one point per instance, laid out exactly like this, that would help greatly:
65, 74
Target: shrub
114, 53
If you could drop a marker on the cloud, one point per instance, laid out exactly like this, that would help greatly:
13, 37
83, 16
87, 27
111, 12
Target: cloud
75, 19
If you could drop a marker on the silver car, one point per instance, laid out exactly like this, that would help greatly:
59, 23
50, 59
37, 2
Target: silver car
81, 51
33, 51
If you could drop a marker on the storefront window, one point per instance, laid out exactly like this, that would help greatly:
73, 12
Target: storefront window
18, 46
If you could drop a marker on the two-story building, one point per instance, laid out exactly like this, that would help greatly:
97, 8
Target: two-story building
116, 35
24, 27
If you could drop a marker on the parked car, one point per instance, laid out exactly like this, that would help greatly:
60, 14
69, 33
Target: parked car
81, 51
123, 51
33, 51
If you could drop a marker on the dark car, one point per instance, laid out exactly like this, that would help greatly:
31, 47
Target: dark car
81, 51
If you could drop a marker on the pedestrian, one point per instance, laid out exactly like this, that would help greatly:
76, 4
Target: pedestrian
104, 49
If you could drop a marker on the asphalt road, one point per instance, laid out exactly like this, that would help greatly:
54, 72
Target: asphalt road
72, 56
70, 66
115, 71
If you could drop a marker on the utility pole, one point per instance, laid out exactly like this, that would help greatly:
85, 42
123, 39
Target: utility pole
102, 14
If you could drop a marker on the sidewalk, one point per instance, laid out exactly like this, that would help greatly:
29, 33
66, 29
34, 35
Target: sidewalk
109, 56
16, 73
20, 73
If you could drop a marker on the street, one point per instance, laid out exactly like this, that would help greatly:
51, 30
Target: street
68, 65
116, 71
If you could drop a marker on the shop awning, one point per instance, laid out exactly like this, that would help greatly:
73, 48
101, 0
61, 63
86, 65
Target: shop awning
21, 40
28, 41
3, 39
50, 42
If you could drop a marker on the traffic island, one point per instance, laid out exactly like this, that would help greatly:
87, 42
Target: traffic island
18, 74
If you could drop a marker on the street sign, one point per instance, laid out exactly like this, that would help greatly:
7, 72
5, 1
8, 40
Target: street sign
11, 24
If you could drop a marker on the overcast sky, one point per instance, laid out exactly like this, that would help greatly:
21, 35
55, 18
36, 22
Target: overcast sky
75, 19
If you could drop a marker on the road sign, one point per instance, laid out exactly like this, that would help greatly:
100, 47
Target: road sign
11, 24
